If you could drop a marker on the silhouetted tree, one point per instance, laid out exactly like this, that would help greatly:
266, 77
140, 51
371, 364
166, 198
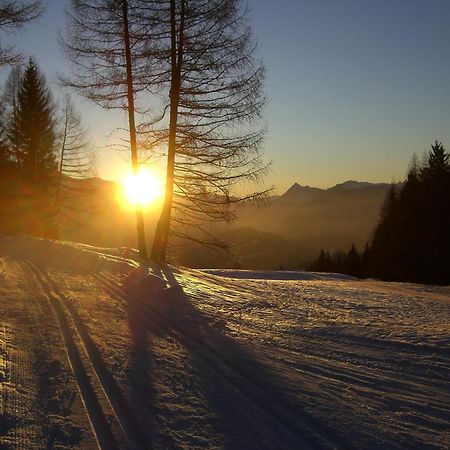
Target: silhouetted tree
412, 240
435, 180
33, 131
384, 244
353, 262
76, 160
365, 258
10, 102
199, 56
5, 150
35, 128
107, 44
215, 98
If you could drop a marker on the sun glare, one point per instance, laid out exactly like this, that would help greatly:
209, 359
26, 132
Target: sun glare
142, 189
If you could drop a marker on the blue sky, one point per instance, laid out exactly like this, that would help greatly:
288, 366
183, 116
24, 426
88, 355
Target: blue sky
355, 87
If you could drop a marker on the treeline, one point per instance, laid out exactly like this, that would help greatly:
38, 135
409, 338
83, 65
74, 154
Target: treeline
42, 147
350, 263
412, 239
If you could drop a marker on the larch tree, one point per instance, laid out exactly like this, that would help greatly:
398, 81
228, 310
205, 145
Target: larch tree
110, 63
5, 150
207, 60
76, 157
14, 14
10, 103
200, 58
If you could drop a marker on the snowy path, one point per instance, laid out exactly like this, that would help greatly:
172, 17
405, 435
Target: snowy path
233, 361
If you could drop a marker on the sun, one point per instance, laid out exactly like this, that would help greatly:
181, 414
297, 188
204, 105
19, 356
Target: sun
142, 189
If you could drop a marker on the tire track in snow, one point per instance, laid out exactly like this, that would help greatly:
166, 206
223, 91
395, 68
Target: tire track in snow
67, 315
314, 433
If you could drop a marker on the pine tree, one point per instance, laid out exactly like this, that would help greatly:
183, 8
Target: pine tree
384, 244
435, 178
34, 129
353, 262
412, 239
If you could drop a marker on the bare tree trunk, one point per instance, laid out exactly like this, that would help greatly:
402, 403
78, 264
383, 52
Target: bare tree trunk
61, 161
132, 125
160, 240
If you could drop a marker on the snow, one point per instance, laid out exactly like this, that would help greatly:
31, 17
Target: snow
276, 275
67, 256
245, 359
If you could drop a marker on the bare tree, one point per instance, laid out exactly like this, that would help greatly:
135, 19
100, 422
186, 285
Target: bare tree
14, 14
215, 102
109, 58
77, 159
200, 58
10, 101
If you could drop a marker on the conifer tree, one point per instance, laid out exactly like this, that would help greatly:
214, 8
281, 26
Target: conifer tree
412, 239
34, 130
353, 262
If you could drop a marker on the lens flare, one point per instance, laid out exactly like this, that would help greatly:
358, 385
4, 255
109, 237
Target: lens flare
142, 189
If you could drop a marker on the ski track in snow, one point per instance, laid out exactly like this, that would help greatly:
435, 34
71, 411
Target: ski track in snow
240, 359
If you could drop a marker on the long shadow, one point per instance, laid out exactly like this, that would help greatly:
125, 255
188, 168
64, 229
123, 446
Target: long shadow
248, 399
140, 370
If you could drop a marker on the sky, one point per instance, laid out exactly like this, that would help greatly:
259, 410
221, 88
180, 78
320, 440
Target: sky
354, 87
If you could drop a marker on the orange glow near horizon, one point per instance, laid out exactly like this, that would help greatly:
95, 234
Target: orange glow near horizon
142, 189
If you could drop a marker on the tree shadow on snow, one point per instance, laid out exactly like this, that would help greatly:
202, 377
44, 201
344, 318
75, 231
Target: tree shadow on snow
249, 402
141, 357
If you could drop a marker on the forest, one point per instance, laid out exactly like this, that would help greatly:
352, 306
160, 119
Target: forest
412, 239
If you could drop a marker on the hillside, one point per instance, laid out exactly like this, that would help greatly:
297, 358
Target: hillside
289, 230
320, 218
96, 352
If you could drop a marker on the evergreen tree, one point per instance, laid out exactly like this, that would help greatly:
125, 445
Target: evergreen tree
32, 136
365, 258
412, 240
353, 262
435, 211
34, 130
322, 263
384, 244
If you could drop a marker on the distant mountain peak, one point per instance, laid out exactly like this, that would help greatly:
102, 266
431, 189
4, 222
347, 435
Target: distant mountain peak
297, 189
353, 185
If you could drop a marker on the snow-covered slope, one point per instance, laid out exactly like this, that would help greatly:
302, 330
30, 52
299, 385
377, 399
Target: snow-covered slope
219, 359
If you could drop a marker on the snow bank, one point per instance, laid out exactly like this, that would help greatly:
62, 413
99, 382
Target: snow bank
67, 256
276, 275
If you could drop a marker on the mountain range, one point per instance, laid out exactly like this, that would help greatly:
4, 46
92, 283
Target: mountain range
288, 230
